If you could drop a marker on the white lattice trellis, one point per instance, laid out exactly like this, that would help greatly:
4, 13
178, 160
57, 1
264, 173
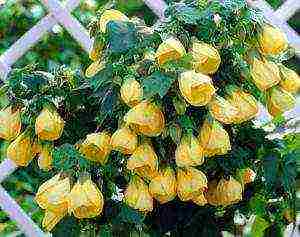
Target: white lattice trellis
61, 14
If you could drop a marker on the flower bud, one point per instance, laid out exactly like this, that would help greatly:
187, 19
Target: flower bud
124, 140
163, 187
206, 59
131, 92
199, 199
110, 15
190, 182
279, 101
85, 199
230, 191
189, 152
52, 218
290, 80
272, 40
223, 111
196, 88
94, 68
45, 157
168, 50
146, 118
144, 162
21, 150
213, 138
53, 194
49, 125
248, 175
137, 195
264, 74
245, 103
96, 147
10, 124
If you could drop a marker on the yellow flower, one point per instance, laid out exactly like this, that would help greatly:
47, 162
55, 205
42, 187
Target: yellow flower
168, 50
44, 156
96, 51
213, 138
223, 110
94, 68
49, 125
137, 195
190, 182
264, 74
110, 15
21, 150
279, 101
124, 140
199, 199
96, 147
206, 59
10, 124
53, 194
245, 103
196, 88
212, 196
272, 40
248, 175
85, 199
131, 92
230, 191
52, 218
189, 152
164, 186
144, 162
146, 118
290, 80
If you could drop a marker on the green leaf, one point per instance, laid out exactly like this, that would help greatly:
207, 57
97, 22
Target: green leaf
187, 14
129, 215
289, 172
259, 226
258, 204
270, 167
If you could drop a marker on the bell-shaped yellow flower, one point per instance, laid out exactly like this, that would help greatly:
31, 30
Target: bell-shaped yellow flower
168, 50
10, 124
131, 92
245, 103
52, 218
223, 111
212, 196
137, 195
206, 58
85, 199
94, 68
49, 125
290, 80
21, 150
199, 199
144, 162
190, 182
272, 40
279, 101
110, 15
96, 147
146, 118
213, 138
264, 74
124, 140
164, 186
44, 156
230, 191
196, 88
53, 194
189, 152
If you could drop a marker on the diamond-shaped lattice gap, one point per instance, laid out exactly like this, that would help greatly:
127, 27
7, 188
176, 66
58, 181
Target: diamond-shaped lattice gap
294, 22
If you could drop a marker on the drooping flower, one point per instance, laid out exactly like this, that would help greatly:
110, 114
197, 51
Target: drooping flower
96, 147
196, 88
199, 199
144, 162
85, 199
164, 186
146, 118
222, 110
44, 156
137, 195
53, 194
94, 68
265, 74
272, 40
110, 15
168, 50
213, 138
190, 182
131, 92
10, 124
206, 58
212, 196
279, 101
124, 140
230, 191
189, 152
49, 125
52, 218
96, 50
290, 80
